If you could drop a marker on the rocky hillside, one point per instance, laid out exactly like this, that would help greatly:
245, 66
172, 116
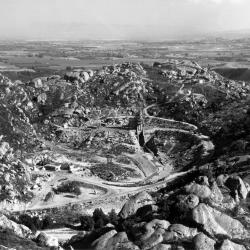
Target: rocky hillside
206, 208
15, 179
206, 213
16, 113
181, 89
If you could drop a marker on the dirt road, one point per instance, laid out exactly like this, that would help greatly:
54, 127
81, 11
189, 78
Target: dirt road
154, 176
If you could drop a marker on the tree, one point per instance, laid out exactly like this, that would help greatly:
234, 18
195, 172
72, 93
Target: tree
77, 191
99, 223
37, 222
47, 222
87, 223
113, 217
28, 222
98, 213
100, 218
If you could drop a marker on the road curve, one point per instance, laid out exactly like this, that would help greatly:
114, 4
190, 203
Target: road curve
111, 189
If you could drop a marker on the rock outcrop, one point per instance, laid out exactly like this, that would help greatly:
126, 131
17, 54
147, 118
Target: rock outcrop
17, 229
216, 223
136, 202
179, 233
229, 245
45, 240
203, 242
114, 241
192, 211
237, 187
201, 191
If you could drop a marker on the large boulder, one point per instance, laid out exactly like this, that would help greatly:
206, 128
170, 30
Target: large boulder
153, 240
187, 203
154, 225
162, 247
18, 229
37, 82
72, 76
77, 237
191, 201
202, 191
91, 73
148, 235
216, 194
134, 203
216, 223
237, 187
120, 241
41, 99
45, 240
221, 179
147, 210
203, 242
178, 232
229, 245
85, 75
101, 242
203, 180
114, 241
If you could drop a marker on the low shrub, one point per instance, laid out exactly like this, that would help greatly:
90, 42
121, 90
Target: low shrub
69, 187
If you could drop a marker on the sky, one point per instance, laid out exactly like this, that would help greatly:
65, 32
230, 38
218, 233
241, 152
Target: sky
120, 19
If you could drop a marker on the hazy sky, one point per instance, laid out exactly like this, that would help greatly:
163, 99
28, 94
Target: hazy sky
120, 19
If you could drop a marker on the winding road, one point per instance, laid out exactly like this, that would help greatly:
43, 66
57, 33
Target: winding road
156, 180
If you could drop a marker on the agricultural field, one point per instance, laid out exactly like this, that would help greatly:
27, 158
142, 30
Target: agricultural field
27, 60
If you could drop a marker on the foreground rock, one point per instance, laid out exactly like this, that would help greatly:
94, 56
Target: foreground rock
229, 245
216, 223
114, 241
101, 242
203, 242
19, 230
162, 247
120, 241
45, 240
9, 240
136, 202
179, 233
202, 191
237, 186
